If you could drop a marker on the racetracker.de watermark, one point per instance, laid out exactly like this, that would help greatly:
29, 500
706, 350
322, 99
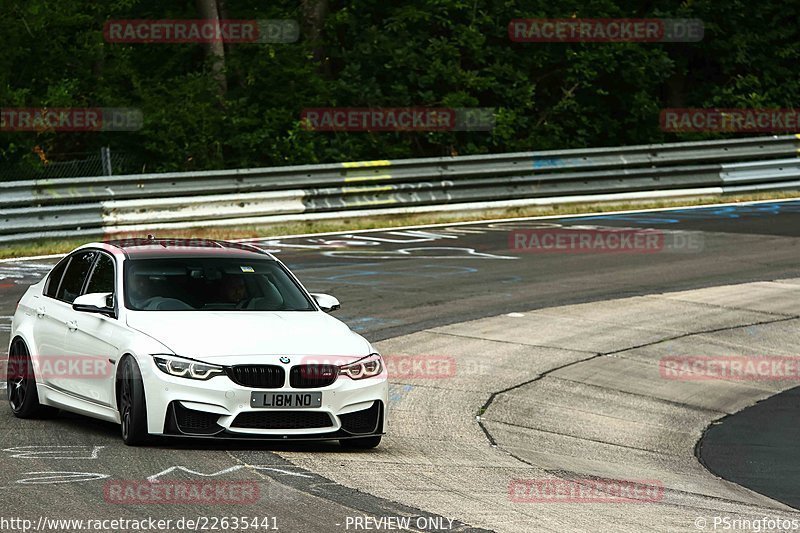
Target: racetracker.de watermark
156, 246
398, 119
43, 119
587, 490
687, 120
55, 367
605, 30
143, 523
421, 366
133, 492
567, 240
737, 368
201, 31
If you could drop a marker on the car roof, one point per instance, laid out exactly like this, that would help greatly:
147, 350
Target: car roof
138, 248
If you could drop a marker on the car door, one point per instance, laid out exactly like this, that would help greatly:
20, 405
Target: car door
91, 341
49, 330
55, 318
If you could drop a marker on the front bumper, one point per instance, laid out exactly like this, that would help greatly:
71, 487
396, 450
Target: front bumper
220, 408
182, 422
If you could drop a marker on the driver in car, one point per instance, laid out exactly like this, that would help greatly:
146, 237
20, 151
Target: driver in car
234, 290
141, 291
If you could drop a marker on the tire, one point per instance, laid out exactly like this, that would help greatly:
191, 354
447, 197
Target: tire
131, 403
363, 443
23, 398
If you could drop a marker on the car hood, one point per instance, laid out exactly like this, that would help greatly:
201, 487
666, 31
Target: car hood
233, 334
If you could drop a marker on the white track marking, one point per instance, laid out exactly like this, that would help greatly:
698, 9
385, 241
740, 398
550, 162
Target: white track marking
54, 452
59, 477
154, 477
467, 223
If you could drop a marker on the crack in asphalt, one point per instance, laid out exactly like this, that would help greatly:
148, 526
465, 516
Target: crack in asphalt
557, 473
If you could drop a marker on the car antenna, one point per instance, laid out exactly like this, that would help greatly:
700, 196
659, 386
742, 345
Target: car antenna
150, 237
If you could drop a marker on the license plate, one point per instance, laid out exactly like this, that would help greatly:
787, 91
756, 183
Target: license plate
285, 400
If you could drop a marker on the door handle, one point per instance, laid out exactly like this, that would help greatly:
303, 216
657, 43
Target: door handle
40, 312
72, 325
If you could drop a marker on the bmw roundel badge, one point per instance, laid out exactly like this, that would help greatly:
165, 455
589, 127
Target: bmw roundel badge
284, 360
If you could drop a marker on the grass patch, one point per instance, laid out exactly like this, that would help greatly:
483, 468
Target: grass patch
58, 246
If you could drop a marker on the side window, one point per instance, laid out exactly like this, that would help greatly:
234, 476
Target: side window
102, 279
75, 275
55, 278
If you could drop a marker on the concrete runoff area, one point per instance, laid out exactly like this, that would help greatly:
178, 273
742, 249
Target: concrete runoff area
577, 393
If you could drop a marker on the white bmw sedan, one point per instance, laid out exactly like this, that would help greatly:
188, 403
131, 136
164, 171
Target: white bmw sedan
193, 338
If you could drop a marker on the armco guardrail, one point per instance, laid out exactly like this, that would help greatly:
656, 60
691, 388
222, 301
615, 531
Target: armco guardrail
91, 206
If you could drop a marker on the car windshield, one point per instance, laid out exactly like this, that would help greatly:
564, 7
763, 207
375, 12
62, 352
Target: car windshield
211, 284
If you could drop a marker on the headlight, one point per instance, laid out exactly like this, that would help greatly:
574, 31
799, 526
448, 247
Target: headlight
186, 368
368, 367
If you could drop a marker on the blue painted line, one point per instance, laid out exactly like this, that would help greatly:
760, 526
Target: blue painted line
703, 213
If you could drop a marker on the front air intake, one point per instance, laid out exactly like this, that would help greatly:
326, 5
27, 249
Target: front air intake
181, 420
363, 422
283, 420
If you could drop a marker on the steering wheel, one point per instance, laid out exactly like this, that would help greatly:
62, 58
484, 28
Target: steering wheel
144, 304
244, 303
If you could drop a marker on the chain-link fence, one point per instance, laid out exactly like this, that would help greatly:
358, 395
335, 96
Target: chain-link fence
103, 162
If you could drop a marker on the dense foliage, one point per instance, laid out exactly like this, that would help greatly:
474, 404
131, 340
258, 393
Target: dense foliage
370, 53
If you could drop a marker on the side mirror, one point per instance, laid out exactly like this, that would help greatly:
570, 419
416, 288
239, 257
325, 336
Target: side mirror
326, 302
99, 302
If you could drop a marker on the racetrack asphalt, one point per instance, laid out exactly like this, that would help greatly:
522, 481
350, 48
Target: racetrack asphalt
395, 284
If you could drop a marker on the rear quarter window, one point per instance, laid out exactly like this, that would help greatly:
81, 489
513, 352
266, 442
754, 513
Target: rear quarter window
54, 279
74, 277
